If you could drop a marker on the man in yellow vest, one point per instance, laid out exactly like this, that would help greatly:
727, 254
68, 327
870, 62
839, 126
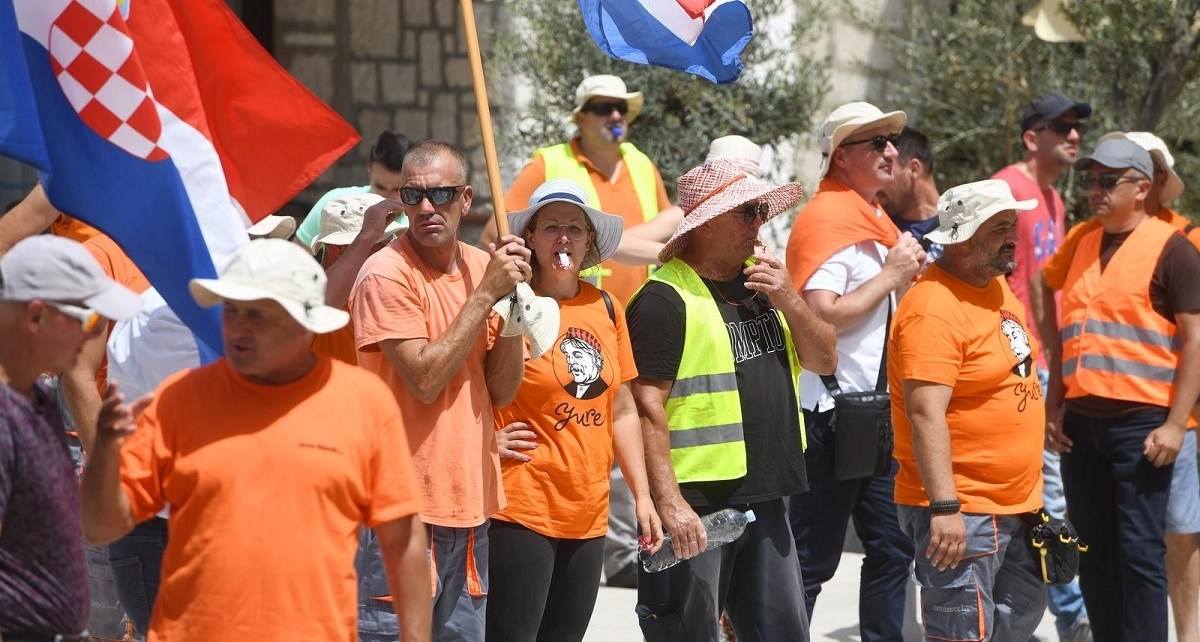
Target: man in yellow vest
1122, 383
719, 335
618, 177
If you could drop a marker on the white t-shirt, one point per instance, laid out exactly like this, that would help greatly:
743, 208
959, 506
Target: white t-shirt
860, 346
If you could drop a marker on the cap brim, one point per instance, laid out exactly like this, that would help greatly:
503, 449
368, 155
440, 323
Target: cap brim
116, 302
319, 319
609, 228
779, 198
274, 227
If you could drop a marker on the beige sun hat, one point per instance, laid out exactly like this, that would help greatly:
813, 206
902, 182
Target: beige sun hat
1050, 24
1161, 157
962, 210
716, 187
608, 86
273, 227
278, 270
744, 152
342, 220
846, 120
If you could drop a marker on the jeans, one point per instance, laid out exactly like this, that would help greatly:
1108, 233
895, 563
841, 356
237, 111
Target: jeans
542, 588
1118, 502
819, 519
137, 569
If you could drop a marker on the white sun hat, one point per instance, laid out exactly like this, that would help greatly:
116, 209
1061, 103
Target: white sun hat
272, 227
846, 120
278, 270
608, 86
962, 210
342, 219
560, 190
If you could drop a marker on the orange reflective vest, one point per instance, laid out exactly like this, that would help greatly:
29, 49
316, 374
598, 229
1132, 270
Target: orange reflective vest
1114, 345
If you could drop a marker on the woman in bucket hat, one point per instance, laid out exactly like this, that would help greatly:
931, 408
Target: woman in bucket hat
573, 410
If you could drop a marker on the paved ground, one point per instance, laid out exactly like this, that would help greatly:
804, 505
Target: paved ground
836, 617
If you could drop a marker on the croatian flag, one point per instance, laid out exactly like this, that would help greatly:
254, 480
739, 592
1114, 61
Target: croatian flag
701, 37
162, 123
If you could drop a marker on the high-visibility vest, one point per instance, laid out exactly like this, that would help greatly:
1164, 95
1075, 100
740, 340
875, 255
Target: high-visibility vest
561, 163
704, 409
1114, 344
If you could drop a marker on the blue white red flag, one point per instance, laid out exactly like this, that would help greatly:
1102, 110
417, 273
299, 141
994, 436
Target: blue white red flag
701, 37
162, 123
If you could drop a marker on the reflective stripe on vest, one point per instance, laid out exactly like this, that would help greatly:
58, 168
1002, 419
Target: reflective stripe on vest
1114, 344
561, 163
704, 409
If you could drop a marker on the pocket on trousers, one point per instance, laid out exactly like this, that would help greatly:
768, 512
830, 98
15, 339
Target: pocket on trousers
660, 625
129, 574
951, 609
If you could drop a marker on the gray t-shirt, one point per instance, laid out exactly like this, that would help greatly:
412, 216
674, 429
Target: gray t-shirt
43, 580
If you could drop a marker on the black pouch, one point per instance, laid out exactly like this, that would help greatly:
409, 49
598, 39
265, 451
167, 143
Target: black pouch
1056, 546
862, 435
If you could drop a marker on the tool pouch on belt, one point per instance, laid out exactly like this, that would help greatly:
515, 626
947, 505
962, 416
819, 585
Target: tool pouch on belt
1056, 547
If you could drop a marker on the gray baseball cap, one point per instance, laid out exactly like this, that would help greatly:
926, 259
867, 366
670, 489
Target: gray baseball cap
51, 268
1119, 153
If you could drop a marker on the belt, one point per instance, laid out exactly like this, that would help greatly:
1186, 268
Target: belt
47, 637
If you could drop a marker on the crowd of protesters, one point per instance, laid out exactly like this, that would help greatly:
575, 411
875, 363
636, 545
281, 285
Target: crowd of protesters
411, 437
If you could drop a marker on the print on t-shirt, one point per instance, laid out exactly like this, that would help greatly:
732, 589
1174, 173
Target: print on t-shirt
1018, 341
583, 373
753, 338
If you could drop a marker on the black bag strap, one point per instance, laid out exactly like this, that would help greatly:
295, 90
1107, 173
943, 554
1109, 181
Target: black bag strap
831, 382
612, 314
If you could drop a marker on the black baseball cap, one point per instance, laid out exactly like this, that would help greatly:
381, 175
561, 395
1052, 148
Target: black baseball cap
1049, 106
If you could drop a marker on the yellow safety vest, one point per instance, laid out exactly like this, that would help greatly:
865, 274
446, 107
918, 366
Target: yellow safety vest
704, 409
561, 163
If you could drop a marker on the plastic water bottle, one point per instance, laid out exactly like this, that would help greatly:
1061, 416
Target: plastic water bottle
723, 527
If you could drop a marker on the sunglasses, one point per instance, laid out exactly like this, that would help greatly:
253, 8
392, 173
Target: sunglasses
878, 143
436, 195
554, 231
751, 212
1105, 181
1062, 127
604, 109
88, 318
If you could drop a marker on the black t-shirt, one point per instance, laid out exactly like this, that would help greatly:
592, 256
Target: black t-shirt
1172, 289
770, 418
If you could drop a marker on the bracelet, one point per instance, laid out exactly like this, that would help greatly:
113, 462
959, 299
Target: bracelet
945, 507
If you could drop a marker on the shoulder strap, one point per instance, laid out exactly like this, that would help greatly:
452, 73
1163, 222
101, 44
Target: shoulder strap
612, 314
831, 382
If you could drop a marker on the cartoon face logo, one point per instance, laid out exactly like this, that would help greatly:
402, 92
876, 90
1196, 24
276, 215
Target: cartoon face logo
1018, 343
585, 363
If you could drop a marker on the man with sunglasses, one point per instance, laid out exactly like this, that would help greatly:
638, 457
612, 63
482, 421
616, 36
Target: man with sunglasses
53, 298
1123, 381
1051, 130
421, 308
850, 263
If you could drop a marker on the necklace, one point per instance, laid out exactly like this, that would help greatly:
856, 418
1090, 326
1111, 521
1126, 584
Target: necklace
716, 287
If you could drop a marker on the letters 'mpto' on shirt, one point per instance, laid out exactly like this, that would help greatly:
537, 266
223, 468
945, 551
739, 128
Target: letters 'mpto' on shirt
566, 397
974, 340
397, 296
267, 487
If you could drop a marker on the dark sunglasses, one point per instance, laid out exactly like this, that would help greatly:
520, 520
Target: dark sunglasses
878, 143
436, 195
604, 109
751, 212
1105, 181
1062, 127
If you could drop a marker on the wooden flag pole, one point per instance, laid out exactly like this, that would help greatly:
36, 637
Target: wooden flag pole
485, 117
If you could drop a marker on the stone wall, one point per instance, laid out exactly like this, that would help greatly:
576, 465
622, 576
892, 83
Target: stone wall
388, 64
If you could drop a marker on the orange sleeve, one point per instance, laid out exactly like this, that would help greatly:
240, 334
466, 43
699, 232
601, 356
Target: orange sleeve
144, 458
930, 349
530, 177
385, 309
1054, 270
1194, 237
393, 483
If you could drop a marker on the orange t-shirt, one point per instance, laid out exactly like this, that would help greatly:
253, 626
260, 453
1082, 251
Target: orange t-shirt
1054, 271
617, 197
396, 296
563, 490
72, 228
267, 487
338, 344
974, 340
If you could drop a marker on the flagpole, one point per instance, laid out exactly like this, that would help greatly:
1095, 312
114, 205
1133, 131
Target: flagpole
485, 117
